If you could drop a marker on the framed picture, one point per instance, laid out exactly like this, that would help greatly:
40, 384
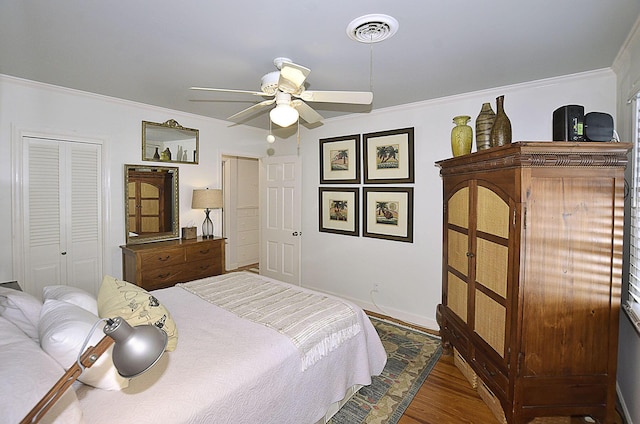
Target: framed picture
340, 160
388, 213
388, 157
339, 210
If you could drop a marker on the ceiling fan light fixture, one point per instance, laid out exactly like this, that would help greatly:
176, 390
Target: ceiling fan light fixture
372, 28
283, 115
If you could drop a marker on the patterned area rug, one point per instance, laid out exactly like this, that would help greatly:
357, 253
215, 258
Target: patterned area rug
411, 356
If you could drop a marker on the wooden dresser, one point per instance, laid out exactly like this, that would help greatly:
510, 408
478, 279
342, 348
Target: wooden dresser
532, 269
165, 263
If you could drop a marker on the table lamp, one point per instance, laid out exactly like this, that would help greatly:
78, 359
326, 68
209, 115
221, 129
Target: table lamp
207, 199
136, 350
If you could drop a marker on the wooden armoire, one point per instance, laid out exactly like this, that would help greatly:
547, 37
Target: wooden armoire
532, 269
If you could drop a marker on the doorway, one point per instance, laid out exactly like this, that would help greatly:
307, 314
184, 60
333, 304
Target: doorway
241, 214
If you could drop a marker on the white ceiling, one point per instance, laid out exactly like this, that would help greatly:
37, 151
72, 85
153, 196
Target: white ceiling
152, 51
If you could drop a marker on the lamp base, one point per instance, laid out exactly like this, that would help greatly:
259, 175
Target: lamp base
207, 225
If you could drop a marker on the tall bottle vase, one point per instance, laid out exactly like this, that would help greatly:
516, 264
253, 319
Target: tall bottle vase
461, 136
501, 131
484, 123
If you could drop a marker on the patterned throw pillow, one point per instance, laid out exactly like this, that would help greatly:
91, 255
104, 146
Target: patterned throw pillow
136, 306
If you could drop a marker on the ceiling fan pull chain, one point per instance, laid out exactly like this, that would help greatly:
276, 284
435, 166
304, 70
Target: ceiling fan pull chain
371, 65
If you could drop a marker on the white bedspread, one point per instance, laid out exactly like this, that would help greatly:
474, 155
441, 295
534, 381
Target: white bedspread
230, 370
315, 323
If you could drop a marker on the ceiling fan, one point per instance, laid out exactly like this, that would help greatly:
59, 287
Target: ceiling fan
286, 89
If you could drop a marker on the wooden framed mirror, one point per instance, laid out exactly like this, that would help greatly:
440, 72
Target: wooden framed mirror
169, 142
151, 203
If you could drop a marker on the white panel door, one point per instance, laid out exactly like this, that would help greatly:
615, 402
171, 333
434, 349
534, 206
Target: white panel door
62, 233
280, 185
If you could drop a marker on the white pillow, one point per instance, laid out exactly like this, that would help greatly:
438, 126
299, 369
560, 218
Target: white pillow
73, 295
26, 375
63, 328
22, 309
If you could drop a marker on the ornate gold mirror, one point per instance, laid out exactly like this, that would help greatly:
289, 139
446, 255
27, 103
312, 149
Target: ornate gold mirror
169, 142
151, 203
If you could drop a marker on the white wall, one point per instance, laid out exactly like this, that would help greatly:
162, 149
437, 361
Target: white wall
33, 107
627, 68
410, 273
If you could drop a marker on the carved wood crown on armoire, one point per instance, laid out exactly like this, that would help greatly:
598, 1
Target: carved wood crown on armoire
532, 270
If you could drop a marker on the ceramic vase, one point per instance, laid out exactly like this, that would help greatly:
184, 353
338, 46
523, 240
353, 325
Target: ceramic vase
484, 123
156, 155
501, 131
461, 136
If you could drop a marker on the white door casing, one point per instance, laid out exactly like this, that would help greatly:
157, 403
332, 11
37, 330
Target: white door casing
280, 227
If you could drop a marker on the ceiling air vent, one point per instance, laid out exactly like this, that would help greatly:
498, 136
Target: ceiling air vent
372, 28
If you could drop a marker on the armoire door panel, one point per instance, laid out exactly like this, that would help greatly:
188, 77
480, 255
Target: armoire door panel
492, 213
492, 266
458, 208
458, 247
490, 321
457, 296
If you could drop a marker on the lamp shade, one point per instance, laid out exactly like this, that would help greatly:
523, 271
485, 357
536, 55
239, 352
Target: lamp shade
136, 349
283, 115
206, 199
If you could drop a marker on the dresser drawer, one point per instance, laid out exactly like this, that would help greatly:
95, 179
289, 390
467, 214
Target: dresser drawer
162, 277
167, 257
202, 269
205, 251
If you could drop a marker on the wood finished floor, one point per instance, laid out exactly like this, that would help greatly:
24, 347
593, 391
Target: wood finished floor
447, 398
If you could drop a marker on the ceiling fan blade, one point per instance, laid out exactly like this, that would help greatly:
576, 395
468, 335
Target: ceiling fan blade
243, 114
306, 112
353, 97
292, 76
228, 90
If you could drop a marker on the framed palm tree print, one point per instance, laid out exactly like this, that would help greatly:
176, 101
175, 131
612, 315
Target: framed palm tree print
339, 210
340, 160
387, 213
388, 157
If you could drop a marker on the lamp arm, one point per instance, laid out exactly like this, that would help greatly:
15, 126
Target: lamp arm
88, 358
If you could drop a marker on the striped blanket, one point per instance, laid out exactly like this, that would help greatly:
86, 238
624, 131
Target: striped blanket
315, 323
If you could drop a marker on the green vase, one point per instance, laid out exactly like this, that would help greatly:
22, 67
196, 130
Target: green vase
461, 136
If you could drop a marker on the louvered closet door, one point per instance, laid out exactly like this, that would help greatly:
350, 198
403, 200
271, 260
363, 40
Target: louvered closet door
62, 214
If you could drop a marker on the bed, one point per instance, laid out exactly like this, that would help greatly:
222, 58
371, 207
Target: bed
235, 363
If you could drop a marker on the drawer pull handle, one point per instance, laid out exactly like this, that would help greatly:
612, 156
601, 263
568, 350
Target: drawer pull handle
470, 255
204, 252
166, 258
203, 267
491, 373
164, 275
